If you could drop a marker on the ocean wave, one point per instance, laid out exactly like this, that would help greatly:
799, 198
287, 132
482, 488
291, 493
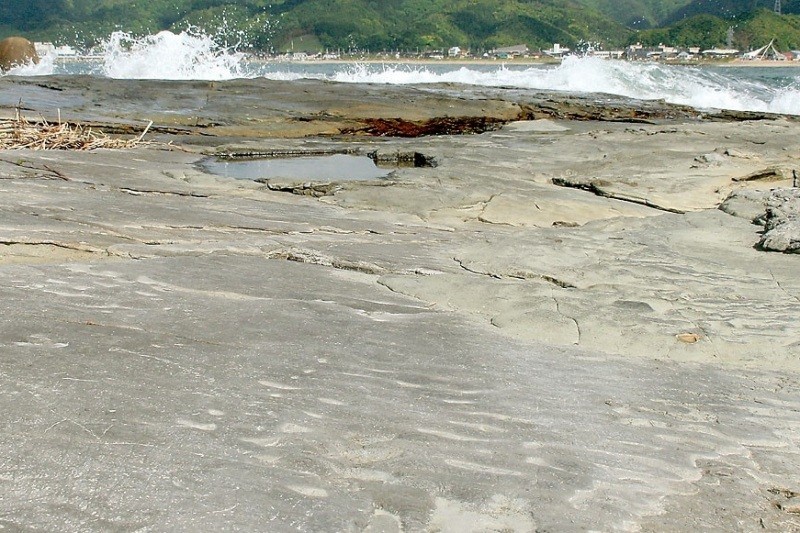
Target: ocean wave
699, 87
743, 89
169, 56
45, 67
191, 55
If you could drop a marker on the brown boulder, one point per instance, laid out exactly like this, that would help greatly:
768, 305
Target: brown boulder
15, 51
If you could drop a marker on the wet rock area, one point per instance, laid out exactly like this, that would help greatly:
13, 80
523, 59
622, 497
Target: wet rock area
382, 127
313, 172
303, 108
546, 313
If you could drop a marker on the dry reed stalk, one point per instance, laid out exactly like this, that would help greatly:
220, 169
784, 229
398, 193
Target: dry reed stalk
20, 133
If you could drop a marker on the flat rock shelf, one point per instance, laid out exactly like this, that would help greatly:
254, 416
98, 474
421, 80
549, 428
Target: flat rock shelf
545, 323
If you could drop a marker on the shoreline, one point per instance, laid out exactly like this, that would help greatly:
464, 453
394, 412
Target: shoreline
538, 62
762, 63
743, 63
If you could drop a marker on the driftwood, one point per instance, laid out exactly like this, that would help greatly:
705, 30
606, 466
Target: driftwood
21, 133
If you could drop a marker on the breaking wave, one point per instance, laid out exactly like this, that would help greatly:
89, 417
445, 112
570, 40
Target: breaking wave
44, 67
166, 55
743, 89
194, 56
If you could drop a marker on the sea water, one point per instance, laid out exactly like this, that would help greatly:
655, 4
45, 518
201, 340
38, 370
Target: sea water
193, 56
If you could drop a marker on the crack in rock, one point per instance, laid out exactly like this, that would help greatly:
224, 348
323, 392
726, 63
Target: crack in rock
521, 275
142, 192
56, 244
574, 320
544, 277
313, 258
478, 272
54, 174
595, 188
781, 287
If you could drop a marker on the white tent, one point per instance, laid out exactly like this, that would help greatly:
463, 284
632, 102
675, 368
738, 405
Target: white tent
766, 52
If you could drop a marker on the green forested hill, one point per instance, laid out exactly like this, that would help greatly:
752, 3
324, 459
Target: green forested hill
438, 23
370, 24
409, 24
639, 14
750, 30
729, 9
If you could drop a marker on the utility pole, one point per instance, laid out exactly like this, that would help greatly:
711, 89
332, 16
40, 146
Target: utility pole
778, 7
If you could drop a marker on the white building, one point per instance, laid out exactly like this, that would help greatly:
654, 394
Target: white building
557, 50
511, 51
66, 51
720, 52
44, 49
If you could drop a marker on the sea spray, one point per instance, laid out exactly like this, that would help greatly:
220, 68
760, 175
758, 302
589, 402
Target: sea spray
743, 89
192, 55
45, 67
169, 56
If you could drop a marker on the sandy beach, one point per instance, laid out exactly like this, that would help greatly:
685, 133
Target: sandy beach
554, 313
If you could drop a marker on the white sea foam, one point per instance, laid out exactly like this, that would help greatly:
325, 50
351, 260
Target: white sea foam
169, 56
693, 86
192, 55
44, 67
787, 101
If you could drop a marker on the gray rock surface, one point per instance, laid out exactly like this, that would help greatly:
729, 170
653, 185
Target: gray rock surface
462, 347
778, 210
748, 204
782, 221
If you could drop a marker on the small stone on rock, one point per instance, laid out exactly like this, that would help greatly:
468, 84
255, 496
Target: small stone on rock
688, 338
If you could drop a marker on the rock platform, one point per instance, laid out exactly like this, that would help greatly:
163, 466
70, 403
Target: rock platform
558, 313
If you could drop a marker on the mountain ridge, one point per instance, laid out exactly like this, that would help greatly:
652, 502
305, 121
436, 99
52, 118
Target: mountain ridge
374, 25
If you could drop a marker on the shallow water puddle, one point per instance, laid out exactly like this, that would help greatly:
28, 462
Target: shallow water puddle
332, 167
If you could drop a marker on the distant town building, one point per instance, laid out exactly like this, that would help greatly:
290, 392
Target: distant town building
66, 51
608, 54
44, 49
720, 52
557, 50
455, 51
510, 51
662, 52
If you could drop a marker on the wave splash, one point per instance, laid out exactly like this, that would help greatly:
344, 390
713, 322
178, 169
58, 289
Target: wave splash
192, 55
702, 88
169, 56
44, 67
